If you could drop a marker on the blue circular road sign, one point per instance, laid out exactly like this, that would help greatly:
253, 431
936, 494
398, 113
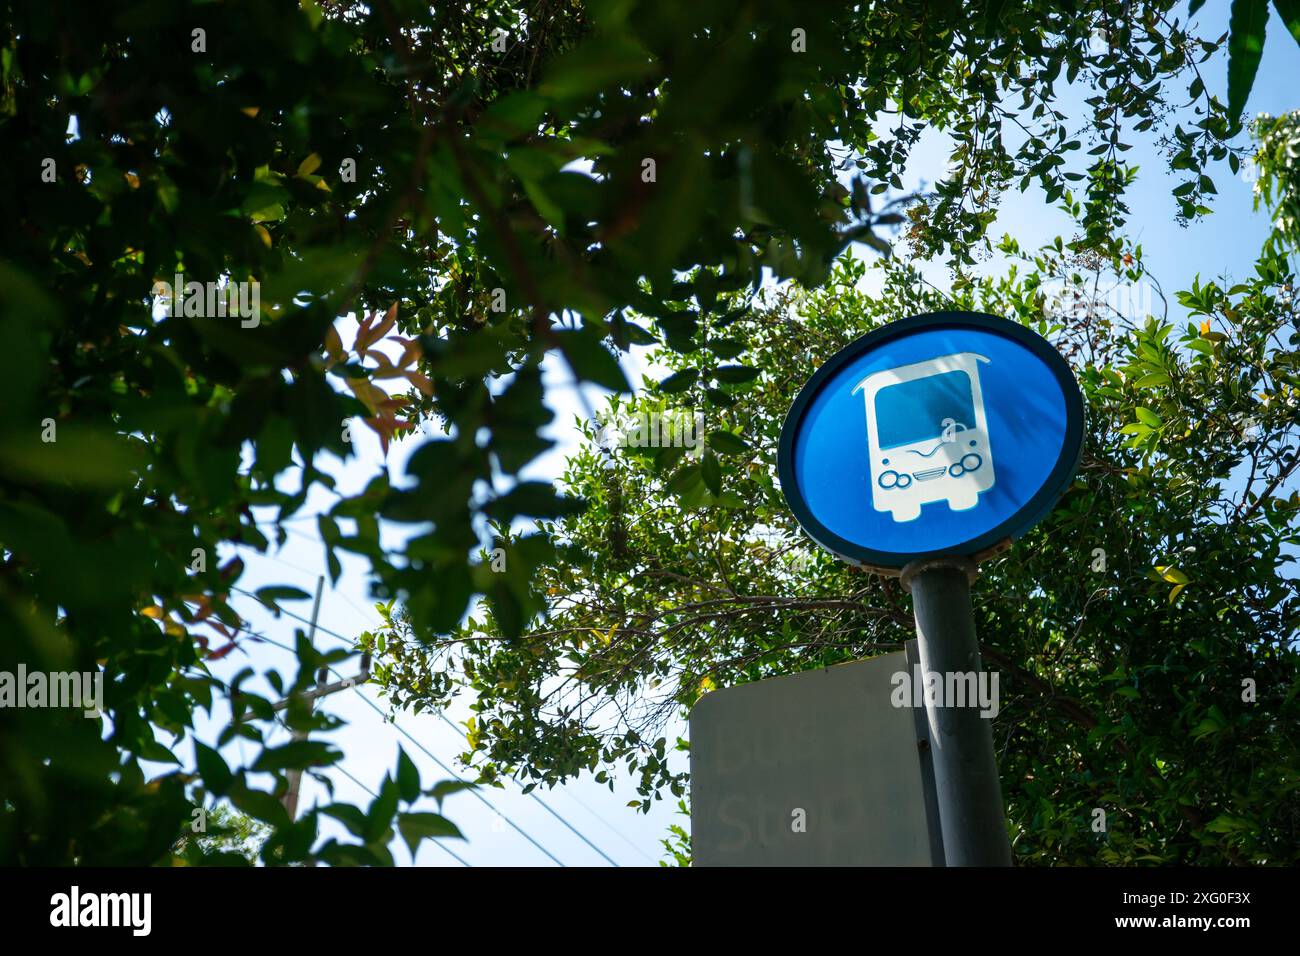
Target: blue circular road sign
941, 434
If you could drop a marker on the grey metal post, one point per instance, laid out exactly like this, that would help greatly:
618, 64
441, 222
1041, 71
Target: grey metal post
961, 741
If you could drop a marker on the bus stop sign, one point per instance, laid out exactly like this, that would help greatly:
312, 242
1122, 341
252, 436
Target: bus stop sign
942, 434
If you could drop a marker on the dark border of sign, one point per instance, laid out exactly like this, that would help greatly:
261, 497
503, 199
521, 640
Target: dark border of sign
1031, 513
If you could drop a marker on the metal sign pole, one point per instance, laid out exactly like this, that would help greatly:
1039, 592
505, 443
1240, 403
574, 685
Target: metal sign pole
961, 741
973, 430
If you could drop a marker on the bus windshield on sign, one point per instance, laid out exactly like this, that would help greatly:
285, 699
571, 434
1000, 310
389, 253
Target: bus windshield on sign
920, 410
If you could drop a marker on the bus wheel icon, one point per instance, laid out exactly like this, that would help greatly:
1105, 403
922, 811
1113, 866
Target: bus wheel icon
927, 435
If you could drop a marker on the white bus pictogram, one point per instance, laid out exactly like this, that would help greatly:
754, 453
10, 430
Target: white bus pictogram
927, 435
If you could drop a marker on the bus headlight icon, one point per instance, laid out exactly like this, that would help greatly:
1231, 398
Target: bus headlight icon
892, 479
927, 435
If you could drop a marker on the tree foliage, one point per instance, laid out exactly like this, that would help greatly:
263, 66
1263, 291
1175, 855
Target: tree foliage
485, 187
1145, 632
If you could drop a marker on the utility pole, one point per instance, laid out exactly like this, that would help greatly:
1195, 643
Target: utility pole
322, 689
961, 741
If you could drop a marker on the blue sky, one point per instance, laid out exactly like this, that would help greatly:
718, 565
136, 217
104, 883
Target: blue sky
1225, 242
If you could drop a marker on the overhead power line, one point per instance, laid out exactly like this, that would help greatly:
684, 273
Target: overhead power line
576, 832
277, 559
613, 829
438, 843
339, 767
546, 806
474, 793
530, 794
402, 730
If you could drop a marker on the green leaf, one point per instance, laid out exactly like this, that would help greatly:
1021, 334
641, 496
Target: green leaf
259, 804
296, 755
151, 749
272, 596
735, 374
1153, 380
415, 827
513, 115
80, 457
1245, 48
212, 767
536, 499
1226, 823
1173, 575
591, 360
1149, 418
1205, 728
626, 333
408, 777
711, 472
351, 854
727, 443
718, 397
350, 816
1289, 11
686, 478
445, 788
546, 207
380, 816
726, 348
597, 64
679, 381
